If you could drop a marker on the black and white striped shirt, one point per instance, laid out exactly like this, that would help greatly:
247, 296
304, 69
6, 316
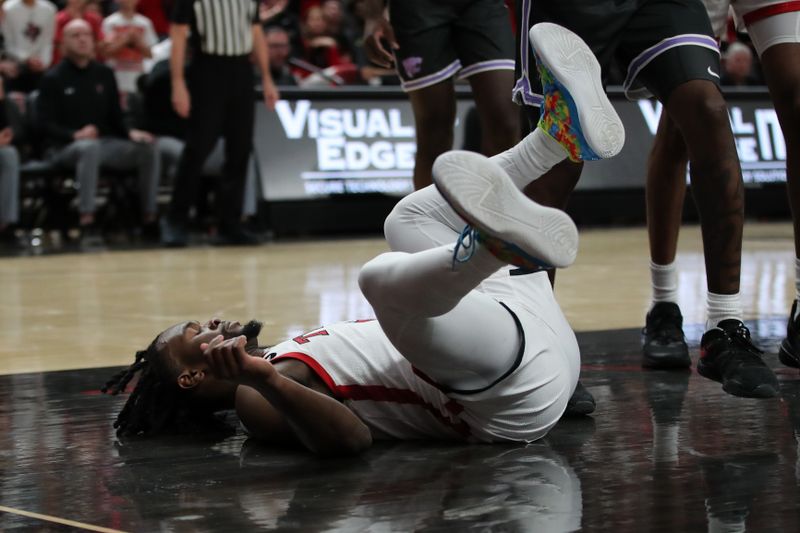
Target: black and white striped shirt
218, 27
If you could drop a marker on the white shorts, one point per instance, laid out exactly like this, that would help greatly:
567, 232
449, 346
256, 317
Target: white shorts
530, 401
778, 29
769, 22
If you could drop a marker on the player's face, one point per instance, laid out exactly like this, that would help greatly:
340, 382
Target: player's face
79, 41
184, 343
183, 340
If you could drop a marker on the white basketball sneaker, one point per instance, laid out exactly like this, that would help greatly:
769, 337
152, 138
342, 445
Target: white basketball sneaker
512, 227
576, 111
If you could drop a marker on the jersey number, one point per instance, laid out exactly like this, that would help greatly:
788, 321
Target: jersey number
305, 337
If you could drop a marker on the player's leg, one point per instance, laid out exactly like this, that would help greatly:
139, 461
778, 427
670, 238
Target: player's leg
664, 343
434, 115
426, 62
498, 116
682, 71
426, 302
483, 39
578, 121
777, 40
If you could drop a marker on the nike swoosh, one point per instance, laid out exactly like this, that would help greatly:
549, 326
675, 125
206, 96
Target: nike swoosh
713, 73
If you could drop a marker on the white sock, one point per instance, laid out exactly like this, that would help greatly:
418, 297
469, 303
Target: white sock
531, 157
797, 279
722, 307
664, 279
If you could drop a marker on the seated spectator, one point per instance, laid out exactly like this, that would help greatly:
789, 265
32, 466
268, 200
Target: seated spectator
129, 38
28, 27
280, 49
319, 48
280, 13
339, 27
158, 12
83, 124
9, 174
77, 9
737, 66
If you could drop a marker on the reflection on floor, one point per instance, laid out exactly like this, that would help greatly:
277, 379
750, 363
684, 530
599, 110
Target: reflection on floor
665, 451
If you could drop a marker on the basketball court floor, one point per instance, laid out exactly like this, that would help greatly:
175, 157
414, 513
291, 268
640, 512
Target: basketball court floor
665, 451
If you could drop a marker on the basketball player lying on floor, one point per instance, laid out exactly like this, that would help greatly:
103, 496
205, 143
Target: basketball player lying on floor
463, 346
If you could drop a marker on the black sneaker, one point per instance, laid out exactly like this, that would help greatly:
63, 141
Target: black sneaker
727, 355
664, 343
236, 236
92, 239
789, 353
581, 403
173, 234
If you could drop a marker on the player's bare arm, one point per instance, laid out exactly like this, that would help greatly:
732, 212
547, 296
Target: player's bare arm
283, 406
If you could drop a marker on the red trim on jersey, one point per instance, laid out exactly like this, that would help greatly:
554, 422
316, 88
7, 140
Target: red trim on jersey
771, 11
313, 364
380, 393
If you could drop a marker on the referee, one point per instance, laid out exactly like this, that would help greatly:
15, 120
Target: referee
217, 98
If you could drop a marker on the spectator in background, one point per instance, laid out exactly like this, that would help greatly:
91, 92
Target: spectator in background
9, 173
28, 27
83, 124
280, 13
339, 27
737, 66
218, 101
158, 13
280, 49
319, 48
129, 38
78, 9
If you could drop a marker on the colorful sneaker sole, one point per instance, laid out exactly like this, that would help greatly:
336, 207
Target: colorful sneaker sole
515, 229
576, 111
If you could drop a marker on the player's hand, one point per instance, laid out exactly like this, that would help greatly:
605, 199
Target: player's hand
378, 31
271, 93
181, 101
227, 359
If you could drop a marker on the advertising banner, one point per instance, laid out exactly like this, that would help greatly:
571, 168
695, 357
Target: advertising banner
316, 148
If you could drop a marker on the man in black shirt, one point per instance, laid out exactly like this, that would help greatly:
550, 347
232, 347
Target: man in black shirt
218, 100
280, 49
83, 123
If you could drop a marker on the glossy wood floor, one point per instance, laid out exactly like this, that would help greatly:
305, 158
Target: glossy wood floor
664, 451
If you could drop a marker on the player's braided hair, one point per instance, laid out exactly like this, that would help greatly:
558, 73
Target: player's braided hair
157, 405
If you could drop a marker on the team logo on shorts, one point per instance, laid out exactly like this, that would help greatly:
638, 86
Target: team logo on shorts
412, 66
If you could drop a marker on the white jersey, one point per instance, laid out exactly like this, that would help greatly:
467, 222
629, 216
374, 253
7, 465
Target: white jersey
718, 11
368, 374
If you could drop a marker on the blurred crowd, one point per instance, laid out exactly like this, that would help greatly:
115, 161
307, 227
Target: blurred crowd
311, 43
